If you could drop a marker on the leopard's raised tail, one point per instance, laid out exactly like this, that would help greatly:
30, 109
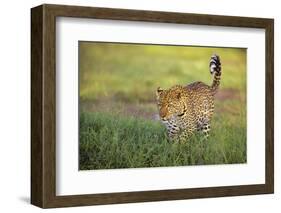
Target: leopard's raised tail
215, 70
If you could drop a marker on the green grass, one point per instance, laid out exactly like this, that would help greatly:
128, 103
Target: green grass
118, 128
110, 141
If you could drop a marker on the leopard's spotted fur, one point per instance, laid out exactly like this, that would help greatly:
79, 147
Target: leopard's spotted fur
185, 109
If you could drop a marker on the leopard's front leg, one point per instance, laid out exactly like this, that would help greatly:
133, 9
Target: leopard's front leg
187, 133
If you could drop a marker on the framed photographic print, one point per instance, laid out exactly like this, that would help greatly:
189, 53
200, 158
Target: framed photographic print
136, 106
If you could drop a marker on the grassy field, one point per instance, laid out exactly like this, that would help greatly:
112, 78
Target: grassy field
118, 115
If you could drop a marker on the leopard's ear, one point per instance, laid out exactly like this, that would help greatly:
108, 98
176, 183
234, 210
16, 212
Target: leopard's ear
159, 92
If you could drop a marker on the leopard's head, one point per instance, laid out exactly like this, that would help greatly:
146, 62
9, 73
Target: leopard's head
170, 103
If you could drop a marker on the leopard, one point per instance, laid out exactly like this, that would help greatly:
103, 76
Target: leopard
187, 109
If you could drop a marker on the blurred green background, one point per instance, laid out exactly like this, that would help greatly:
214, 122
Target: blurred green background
118, 83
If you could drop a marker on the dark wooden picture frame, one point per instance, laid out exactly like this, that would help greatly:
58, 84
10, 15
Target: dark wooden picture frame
43, 105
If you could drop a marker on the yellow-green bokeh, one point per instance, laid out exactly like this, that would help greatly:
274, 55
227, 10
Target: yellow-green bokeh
132, 72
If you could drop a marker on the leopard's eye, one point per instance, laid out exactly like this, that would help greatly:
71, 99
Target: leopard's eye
181, 114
